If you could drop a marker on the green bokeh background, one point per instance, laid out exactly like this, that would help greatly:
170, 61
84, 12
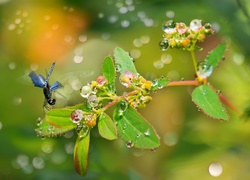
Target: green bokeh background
36, 33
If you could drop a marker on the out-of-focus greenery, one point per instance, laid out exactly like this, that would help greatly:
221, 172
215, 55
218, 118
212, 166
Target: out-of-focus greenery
36, 33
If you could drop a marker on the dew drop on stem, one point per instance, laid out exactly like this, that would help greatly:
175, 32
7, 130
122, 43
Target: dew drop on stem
163, 44
129, 144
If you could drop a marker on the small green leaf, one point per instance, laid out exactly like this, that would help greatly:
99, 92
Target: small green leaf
208, 101
216, 55
106, 127
125, 62
60, 117
108, 70
45, 129
135, 130
81, 151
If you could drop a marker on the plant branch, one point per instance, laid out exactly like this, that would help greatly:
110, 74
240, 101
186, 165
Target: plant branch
184, 83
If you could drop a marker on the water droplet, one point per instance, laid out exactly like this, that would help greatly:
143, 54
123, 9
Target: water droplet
38, 163
169, 27
204, 92
93, 100
204, 69
76, 116
83, 132
129, 144
85, 91
153, 150
215, 169
118, 67
122, 106
147, 132
138, 135
124, 126
181, 28
170, 138
195, 25
163, 44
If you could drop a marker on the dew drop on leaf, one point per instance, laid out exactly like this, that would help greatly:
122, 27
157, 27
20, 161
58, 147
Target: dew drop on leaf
83, 132
147, 132
129, 144
76, 116
85, 91
122, 106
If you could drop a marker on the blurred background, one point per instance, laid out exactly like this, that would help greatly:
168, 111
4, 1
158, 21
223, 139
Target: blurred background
78, 34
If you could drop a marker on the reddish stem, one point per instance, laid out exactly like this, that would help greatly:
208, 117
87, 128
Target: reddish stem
183, 83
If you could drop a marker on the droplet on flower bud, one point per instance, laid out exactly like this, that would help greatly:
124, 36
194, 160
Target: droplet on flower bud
76, 116
85, 91
195, 25
169, 27
163, 44
204, 69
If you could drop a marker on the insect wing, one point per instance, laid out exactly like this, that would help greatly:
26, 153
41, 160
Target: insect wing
38, 80
50, 71
56, 85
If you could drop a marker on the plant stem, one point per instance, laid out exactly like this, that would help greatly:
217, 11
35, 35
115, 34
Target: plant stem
194, 60
184, 83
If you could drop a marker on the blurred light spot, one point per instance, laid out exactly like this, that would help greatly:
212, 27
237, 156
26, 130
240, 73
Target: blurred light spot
170, 14
216, 27
131, 8
112, 19
1, 125
137, 152
19, 31
17, 101
69, 147
238, 58
69, 134
166, 58
141, 14
78, 50
170, 138
47, 17
78, 59
215, 169
125, 23
148, 22
145, 39
25, 14
34, 67
135, 53
38, 163
76, 84
123, 10
137, 42
173, 75
12, 66
83, 38
158, 64
105, 36
18, 21
47, 147
129, 2
27, 169
11, 27
58, 157
22, 160
119, 4
3, 1
101, 15
69, 39
55, 27
150, 76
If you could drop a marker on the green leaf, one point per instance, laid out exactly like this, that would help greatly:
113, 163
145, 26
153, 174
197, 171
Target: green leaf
81, 151
216, 55
208, 101
45, 129
106, 127
135, 130
124, 61
159, 83
60, 117
108, 70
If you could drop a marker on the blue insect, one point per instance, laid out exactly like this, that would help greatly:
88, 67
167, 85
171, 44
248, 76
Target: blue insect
41, 82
